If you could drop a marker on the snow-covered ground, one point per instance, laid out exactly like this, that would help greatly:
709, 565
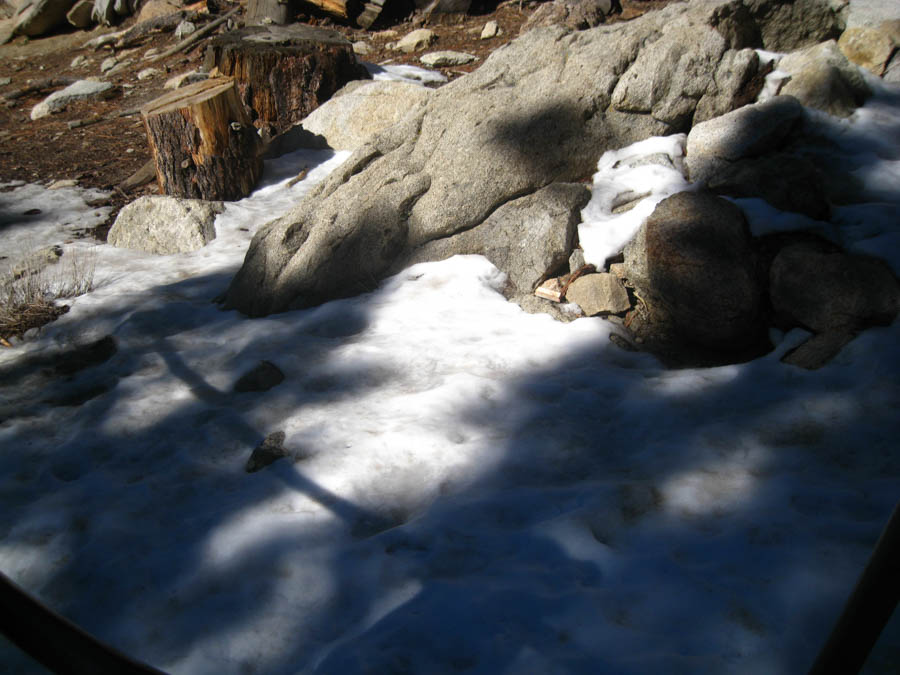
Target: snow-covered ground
471, 488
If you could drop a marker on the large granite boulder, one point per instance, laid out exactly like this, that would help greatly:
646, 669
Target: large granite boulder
693, 265
539, 111
529, 238
361, 109
36, 17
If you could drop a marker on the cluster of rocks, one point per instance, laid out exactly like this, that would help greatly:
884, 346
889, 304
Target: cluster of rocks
494, 164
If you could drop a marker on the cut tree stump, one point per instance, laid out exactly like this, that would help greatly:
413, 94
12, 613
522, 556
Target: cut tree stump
283, 73
203, 143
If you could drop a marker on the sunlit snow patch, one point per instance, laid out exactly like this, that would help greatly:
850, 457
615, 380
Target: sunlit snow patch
404, 73
648, 171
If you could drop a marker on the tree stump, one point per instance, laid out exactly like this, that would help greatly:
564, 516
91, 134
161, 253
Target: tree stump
203, 143
283, 73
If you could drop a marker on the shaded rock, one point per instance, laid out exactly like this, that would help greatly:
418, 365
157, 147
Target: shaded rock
429, 7
78, 91
539, 111
269, 451
817, 350
573, 14
80, 14
576, 260
446, 58
415, 41
362, 109
892, 72
262, 377
869, 47
527, 238
787, 182
36, 17
599, 294
816, 287
164, 225
737, 82
790, 25
692, 263
823, 78
750, 131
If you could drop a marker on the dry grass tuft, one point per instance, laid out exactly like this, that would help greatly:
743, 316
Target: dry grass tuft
29, 289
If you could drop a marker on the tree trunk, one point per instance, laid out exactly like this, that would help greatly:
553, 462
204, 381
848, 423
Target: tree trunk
264, 12
203, 143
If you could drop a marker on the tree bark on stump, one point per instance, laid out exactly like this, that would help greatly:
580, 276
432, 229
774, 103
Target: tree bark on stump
283, 73
203, 143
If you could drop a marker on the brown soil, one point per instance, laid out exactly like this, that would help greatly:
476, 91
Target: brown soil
102, 155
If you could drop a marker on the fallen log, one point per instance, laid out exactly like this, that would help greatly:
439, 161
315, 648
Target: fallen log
203, 143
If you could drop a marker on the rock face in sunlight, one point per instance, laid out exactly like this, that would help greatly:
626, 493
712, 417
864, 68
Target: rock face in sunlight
164, 225
539, 111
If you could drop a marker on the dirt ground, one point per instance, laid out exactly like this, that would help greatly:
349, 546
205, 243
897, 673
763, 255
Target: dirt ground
103, 155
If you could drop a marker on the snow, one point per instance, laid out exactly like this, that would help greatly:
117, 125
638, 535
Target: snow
470, 487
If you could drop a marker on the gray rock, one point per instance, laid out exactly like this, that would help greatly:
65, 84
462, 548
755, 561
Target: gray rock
599, 294
80, 14
693, 265
818, 350
750, 131
79, 62
165, 225
784, 26
823, 78
184, 29
572, 14
870, 47
415, 41
269, 451
78, 91
576, 260
36, 17
446, 58
736, 83
361, 48
825, 290
539, 111
362, 109
262, 377
108, 64
787, 182
528, 238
